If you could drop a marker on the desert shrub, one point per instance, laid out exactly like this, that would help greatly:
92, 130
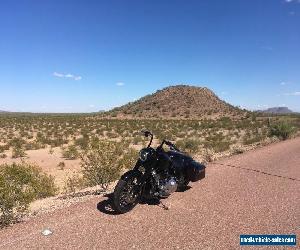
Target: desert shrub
17, 142
4, 147
21, 184
61, 165
100, 163
208, 155
3, 156
74, 183
128, 159
237, 150
82, 142
252, 139
18, 152
217, 146
34, 145
188, 145
70, 153
51, 151
282, 130
137, 140
220, 146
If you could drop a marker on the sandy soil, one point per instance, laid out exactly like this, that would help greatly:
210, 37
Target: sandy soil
49, 163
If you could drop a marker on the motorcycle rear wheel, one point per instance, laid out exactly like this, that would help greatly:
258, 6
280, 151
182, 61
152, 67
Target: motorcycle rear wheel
126, 194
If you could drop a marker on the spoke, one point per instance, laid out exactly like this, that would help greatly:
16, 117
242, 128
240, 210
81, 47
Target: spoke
129, 193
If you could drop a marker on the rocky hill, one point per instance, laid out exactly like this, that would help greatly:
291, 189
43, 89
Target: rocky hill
277, 110
180, 101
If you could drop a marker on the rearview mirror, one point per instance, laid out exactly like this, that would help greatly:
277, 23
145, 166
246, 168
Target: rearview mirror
146, 133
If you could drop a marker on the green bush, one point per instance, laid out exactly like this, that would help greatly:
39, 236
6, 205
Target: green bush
61, 165
188, 145
221, 146
128, 159
74, 183
70, 153
100, 163
82, 142
282, 130
217, 146
20, 184
3, 156
34, 145
248, 139
18, 152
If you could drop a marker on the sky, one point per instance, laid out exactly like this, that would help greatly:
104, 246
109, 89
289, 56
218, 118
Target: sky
91, 55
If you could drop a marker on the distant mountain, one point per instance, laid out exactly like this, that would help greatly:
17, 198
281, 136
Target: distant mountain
277, 110
180, 101
3, 111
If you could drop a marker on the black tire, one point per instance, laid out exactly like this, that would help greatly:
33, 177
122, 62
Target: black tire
125, 186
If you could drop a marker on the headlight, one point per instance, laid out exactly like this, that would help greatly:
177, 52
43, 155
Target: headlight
144, 153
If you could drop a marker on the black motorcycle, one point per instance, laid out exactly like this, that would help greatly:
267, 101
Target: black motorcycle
156, 175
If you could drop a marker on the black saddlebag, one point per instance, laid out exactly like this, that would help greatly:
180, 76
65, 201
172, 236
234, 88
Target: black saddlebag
195, 171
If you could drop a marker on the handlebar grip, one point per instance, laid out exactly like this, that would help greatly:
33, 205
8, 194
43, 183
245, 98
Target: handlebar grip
171, 145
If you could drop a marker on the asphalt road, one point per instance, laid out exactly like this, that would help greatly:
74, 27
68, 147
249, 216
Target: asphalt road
253, 193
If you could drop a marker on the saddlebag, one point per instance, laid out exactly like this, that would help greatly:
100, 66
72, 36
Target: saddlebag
195, 171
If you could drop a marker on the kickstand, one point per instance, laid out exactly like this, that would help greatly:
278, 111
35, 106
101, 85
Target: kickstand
163, 205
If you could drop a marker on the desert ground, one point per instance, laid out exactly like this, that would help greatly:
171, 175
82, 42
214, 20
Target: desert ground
254, 192
57, 160
55, 142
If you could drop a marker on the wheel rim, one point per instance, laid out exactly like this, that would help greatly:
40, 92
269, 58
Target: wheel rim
129, 194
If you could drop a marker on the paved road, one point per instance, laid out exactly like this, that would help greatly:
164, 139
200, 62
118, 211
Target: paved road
238, 196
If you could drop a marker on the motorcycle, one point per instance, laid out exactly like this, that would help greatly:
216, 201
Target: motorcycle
156, 174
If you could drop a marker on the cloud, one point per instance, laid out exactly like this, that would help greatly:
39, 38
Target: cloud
120, 84
91, 106
267, 48
77, 78
292, 1
70, 76
58, 74
297, 93
283, 83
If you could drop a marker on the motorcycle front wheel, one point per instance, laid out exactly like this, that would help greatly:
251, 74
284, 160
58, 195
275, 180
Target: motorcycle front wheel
126, 193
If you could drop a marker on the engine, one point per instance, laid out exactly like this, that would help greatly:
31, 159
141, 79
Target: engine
166, 183
167, 186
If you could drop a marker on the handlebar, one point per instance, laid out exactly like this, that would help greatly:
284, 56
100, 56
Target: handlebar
147, 134
170, 144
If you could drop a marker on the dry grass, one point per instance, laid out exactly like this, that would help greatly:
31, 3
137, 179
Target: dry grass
49, 140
